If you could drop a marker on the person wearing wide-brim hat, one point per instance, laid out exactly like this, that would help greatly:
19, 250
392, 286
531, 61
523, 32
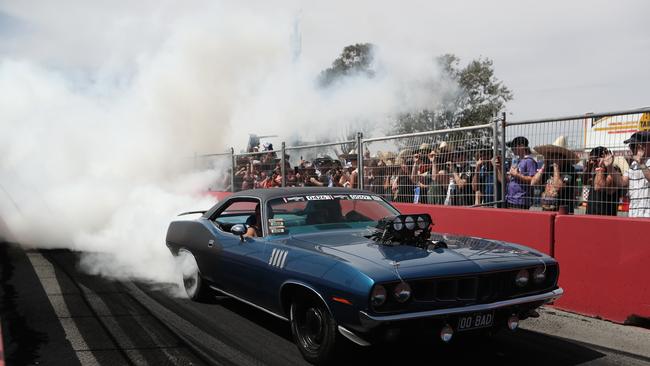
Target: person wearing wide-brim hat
438, 177
349, 178
637, 178
558, 175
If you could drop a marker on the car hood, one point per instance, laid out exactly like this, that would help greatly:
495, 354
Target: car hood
462, 255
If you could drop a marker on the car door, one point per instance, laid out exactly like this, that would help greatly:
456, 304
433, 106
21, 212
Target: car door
236, 268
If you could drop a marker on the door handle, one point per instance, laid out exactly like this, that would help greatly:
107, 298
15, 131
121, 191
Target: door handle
210, 243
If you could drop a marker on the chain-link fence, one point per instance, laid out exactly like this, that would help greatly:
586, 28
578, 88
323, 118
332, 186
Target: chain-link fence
323, 165
577, 164
255, 170
580, 164
437, 167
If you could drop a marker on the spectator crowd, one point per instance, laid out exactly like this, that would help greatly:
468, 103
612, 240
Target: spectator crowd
551, 176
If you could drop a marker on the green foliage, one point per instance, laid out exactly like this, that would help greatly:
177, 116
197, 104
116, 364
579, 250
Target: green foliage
479, 98
354, 60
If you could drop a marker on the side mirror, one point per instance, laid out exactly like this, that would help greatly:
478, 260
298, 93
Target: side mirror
239, 229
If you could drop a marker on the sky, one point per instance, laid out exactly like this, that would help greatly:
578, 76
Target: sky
558, 57
103, 104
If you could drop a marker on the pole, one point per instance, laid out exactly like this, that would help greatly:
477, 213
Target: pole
503, 159
283, 162
360, 159
232, 171
495, 152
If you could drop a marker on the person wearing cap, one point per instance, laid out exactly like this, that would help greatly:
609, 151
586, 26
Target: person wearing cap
603, 177
519, 190
558, 176
637, 178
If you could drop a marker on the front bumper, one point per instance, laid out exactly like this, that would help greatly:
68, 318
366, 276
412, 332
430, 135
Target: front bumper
369, 321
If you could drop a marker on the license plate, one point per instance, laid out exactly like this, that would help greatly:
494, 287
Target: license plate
475, 321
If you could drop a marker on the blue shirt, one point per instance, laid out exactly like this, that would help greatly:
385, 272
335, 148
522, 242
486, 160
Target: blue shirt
518, 193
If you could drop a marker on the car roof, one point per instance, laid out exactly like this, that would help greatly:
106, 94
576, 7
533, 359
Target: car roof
270, 193
266, 194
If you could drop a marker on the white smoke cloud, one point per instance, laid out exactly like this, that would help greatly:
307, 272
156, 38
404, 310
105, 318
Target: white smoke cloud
100, 112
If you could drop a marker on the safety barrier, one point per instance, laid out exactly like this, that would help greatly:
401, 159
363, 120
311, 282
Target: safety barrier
605, 266
533, 229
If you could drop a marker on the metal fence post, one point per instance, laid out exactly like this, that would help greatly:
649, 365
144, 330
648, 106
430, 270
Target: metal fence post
503, 160
495, 152
283, 162
234, 167
360, 159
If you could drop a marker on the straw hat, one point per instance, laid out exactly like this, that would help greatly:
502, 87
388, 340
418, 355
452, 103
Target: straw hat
621, 164
424, 148
402, 156
559, 147
351, 155
443, 147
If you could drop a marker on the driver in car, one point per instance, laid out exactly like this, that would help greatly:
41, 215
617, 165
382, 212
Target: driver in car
254, 224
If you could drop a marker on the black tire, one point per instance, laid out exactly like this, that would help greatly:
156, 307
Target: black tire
314, 329
193, 282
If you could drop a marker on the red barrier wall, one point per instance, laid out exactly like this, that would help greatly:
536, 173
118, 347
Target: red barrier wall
218, 195
604, 265
533, 229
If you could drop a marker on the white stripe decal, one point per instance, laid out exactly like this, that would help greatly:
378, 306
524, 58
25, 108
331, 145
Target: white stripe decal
284, 258
273, 256
276, 261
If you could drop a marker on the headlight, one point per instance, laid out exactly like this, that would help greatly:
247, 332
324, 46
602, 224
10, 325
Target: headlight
409, 222
378, 296
402, 292
398, 224
522, 277
539, 275
423, 222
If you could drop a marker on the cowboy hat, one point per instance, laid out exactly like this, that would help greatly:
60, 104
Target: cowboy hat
559, 147
424, 147
351, 155
621, 164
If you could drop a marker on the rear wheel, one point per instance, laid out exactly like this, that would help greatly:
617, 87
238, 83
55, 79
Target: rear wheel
193, 283
314, 329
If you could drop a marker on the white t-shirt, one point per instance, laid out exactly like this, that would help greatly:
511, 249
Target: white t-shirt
638, 191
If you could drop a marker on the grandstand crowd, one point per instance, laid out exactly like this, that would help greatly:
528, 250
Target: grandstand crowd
549, 177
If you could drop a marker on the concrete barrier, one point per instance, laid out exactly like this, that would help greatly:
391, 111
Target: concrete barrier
532, 229
604, 266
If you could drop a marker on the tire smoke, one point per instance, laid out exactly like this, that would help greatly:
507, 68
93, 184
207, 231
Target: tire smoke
101, 112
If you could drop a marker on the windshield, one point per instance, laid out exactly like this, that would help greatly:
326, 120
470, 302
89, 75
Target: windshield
307, 214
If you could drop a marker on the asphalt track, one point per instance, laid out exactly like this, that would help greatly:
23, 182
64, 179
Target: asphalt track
71, 318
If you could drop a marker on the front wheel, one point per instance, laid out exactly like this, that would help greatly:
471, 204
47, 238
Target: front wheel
194, 286
314, 329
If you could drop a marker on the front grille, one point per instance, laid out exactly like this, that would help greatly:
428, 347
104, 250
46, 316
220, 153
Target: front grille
482, 288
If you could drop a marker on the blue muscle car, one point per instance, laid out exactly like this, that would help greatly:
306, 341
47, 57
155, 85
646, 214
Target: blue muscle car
344, 264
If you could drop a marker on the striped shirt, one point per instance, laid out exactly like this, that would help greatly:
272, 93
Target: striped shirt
638, 191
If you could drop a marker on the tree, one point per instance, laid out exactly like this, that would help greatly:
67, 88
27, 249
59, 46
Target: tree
481, 96
354, 60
